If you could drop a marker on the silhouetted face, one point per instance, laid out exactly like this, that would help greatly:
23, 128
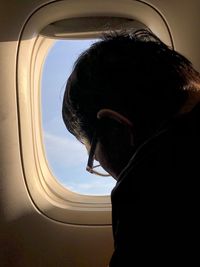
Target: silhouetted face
97, 153
113, 151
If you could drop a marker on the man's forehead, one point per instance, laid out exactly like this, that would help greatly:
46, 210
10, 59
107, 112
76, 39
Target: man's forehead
70, 81
72, 77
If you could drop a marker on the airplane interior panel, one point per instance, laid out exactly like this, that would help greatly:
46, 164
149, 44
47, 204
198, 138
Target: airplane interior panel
42, 223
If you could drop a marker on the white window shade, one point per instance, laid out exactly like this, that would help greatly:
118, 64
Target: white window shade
89, 27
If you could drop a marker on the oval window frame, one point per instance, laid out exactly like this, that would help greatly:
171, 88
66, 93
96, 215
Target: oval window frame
48, 196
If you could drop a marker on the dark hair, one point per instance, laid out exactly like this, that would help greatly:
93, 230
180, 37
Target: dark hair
135, 74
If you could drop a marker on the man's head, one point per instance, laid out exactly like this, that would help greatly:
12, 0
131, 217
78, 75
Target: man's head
121, 90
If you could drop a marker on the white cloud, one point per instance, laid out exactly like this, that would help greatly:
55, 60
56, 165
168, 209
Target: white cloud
55, 126
64, 151
70, 155
93, 188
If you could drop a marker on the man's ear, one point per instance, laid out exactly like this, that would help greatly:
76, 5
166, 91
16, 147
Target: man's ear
114, 115
111, 114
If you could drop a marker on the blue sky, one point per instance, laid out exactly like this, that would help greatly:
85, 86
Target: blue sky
66, 156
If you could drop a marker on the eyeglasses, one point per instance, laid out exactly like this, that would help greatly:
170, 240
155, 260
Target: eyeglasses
90, 164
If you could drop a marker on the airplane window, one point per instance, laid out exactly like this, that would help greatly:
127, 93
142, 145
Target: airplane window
67, 158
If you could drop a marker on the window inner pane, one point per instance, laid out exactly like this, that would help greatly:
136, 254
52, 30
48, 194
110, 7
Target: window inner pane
67, 157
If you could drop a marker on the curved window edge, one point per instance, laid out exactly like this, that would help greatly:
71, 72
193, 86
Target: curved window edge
46, 193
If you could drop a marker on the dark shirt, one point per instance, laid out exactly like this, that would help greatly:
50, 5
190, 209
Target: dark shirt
155, 203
